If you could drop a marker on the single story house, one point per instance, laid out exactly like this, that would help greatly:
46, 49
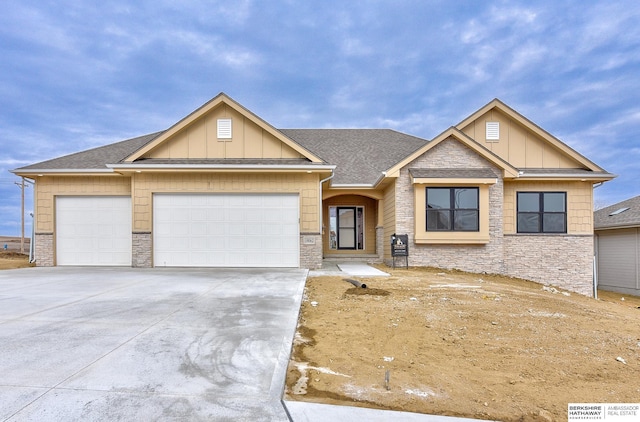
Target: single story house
617, 230
224, 188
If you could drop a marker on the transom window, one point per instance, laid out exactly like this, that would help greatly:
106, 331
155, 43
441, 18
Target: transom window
452, 209
542, 212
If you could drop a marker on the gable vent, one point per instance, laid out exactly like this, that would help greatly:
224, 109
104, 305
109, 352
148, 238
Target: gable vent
224, 128
493, 131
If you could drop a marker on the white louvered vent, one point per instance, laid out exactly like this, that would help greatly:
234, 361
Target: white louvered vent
224, 128
493, 131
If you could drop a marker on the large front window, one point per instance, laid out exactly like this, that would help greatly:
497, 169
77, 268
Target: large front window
452, 209
542, 212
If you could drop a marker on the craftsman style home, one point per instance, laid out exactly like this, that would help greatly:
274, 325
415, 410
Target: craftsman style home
224, 188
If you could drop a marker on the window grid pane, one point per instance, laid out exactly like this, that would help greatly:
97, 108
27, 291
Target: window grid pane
452, 209
542, 212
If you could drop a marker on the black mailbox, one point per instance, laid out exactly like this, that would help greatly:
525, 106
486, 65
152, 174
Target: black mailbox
400, 247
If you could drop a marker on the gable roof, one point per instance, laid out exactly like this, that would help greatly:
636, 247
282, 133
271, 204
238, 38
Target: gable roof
360, 155
508, 170
630, 217
219, 99
499, 105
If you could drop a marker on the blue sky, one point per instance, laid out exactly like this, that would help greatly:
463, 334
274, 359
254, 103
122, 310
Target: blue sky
79, 74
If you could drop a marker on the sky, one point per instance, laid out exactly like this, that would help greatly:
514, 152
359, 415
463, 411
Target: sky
80, 74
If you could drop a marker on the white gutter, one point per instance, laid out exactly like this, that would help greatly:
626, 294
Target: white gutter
352, 186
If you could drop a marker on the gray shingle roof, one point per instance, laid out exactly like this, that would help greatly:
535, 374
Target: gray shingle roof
453, 173
96, 158
627, 218
360, 155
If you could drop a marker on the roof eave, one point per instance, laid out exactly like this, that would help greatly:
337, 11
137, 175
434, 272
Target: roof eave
626, 225
577, 177
192, 167
59, 172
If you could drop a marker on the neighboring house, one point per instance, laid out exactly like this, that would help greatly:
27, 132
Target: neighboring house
224, 188
617, 230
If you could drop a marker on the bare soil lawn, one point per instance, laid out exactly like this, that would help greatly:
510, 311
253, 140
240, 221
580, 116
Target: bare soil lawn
10, 260
460, 344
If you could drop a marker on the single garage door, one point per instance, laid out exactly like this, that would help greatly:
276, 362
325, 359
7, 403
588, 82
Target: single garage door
226, 230
93, 230
618, 260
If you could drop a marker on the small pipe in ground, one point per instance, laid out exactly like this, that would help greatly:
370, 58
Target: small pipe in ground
356, 283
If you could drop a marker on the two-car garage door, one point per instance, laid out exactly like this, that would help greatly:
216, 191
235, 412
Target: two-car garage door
226, 230
189, 230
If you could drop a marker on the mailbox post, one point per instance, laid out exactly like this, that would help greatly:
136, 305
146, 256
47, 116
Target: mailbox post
400, 247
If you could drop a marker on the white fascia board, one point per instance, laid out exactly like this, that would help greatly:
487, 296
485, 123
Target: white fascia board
566, 176
352, 186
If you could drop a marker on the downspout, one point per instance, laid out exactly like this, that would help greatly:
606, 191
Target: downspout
595, 254
320, 221
32, 242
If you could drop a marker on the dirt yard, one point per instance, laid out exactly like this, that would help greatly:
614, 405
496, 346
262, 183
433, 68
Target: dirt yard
10, 260
459, 344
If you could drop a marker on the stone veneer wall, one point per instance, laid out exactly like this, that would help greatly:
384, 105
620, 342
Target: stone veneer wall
380, 242
142, 245
44, 249
563, 261
474, 258
311, 250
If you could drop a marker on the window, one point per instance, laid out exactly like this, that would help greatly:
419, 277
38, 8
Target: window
542, 212
452, 209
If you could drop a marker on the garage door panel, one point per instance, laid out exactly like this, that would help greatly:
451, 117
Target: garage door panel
93, 230
615, 251
252, 230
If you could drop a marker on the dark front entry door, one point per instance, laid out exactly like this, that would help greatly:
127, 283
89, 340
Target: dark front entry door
346, 227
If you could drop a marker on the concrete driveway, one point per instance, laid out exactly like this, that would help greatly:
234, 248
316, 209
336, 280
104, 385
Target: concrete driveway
146, 344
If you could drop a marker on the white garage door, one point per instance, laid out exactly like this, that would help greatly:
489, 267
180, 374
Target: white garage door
226, 230
93, 230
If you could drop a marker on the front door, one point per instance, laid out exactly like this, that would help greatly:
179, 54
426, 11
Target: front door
350, 231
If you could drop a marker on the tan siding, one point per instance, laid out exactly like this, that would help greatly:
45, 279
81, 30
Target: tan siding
197, 146
47, 188
306, 185
389, 217
200, 140
579, 203
253, 140
517, 144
